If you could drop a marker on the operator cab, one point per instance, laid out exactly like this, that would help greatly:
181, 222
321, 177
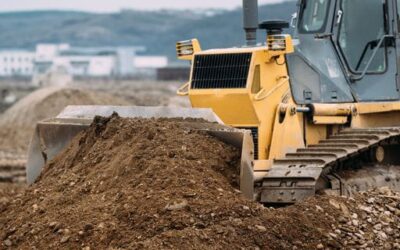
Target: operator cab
347, 52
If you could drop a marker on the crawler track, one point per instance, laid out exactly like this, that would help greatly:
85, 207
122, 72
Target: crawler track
351, 160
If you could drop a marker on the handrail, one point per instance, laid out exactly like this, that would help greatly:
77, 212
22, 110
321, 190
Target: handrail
181, 91
261, 95
354, 78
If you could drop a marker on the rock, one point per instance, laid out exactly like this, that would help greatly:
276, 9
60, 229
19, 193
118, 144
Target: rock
4, 200
53, 224
246, 208
320, 209
345, 210
298, 243
320, 246
365, 209
190, 195
333, 235
388, 230
385, 191
359, 235
334, 203
386, 219
178, 205
8, 243
35, 207
382, 236
64, 239
355, 223
261, 228
342, 220
390, 208
33, 231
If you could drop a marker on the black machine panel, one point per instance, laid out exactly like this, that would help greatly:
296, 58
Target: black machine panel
221, 71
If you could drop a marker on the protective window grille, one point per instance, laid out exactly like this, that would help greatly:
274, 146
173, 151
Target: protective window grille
221, 71
254, 134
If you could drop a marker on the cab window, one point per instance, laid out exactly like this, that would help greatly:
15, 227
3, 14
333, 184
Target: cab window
314, 16
361, 28
398, 15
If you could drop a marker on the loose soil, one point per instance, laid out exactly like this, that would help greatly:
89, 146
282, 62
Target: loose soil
155, 184
17, 123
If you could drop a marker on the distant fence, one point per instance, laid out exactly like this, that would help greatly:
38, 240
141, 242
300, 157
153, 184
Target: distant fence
173, 74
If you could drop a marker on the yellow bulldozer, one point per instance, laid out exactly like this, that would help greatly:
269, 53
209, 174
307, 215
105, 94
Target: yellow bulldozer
313, 112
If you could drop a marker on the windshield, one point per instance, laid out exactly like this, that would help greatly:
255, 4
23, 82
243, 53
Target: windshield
361, 28
314, 16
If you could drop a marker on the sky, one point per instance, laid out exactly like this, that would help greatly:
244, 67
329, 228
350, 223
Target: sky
116, 5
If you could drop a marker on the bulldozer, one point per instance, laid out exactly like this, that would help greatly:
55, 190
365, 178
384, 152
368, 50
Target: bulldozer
314, 112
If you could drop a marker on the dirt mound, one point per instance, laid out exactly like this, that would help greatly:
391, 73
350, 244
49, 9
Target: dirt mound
18, 122
148, 184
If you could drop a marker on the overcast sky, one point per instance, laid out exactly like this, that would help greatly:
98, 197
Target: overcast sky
115, 5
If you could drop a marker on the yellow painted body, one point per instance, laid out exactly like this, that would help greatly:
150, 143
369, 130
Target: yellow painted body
239, 107
266, 103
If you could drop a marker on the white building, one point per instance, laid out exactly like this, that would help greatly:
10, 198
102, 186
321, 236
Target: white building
146, 66
83, 62
16, 62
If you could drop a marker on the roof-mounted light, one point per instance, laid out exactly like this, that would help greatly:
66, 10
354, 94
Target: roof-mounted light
186, 49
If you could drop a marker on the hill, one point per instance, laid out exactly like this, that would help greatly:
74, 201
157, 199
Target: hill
157, 30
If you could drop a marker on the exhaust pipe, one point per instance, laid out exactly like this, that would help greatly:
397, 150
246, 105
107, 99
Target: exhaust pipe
250, 21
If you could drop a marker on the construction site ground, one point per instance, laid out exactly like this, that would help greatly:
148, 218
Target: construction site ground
156, 184
34, 104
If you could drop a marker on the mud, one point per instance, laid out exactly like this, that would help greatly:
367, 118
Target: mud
155, 184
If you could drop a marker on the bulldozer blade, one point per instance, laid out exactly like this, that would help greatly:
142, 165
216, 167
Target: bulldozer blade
49, 139
52, 136
242, 140
89, 112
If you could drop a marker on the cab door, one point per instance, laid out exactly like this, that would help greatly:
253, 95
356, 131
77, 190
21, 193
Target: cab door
365, 39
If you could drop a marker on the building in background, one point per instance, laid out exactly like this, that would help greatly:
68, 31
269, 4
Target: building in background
148, 66
16, 63
80, 62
